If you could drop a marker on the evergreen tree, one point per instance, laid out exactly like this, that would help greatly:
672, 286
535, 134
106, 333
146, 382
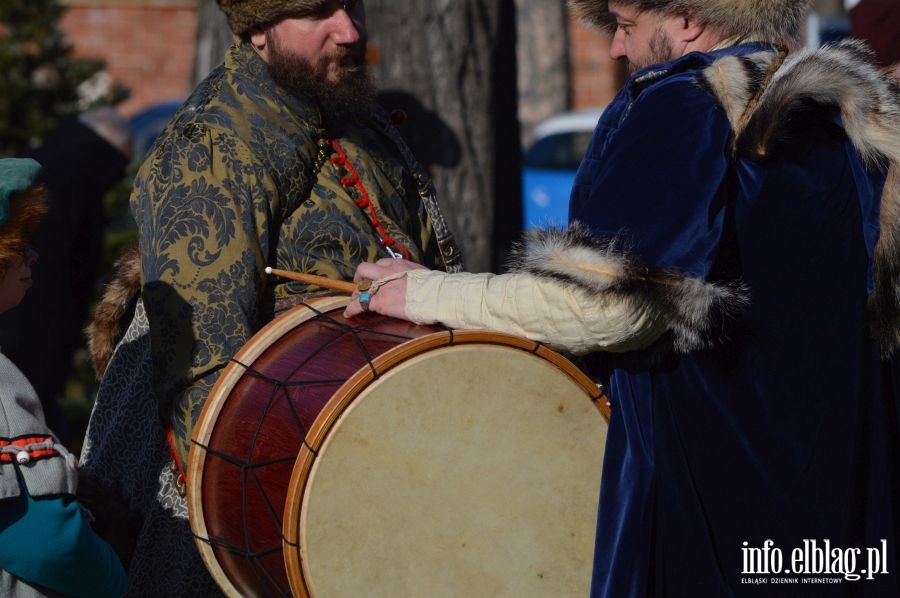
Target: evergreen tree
40, 82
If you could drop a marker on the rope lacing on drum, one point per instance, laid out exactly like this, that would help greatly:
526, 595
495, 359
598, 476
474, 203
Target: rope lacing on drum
285, 391
252, 557
356, 331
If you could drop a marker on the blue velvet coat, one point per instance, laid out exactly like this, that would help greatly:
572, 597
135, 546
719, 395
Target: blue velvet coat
787, 429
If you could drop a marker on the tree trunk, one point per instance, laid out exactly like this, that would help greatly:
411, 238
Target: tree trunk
451, 65
544, 70
213, 39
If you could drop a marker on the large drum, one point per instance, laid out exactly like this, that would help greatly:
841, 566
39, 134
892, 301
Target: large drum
373, 457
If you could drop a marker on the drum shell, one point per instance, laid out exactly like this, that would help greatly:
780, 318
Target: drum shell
273, 407
253, 427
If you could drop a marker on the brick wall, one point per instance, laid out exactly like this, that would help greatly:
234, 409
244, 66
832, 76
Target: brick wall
595, 76
148, 45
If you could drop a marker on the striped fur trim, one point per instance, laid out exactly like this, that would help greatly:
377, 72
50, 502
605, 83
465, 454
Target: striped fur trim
884, 302
696, 311
844, 76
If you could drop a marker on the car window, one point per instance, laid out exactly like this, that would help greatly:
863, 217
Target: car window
560, 151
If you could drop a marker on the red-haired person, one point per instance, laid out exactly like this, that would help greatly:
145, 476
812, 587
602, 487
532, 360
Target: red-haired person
47, 546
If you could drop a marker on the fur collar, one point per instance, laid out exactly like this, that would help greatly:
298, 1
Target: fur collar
843, 76
759, 101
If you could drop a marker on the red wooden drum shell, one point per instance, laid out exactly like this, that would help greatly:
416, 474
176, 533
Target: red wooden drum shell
253, 426
287, 396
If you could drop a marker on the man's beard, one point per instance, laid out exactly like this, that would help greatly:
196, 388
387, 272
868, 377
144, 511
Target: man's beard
349, 98
659, 50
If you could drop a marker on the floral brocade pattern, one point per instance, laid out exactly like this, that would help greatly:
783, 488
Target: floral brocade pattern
125, 449
240, 180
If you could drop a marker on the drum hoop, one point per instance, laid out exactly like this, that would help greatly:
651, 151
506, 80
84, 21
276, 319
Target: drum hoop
341, 399
358, 382
231, 374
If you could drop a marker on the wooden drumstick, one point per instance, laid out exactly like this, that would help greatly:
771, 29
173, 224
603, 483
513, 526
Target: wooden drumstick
327, 283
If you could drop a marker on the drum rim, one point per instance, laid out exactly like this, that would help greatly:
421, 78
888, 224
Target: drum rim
358, 382
231, 374
336, 405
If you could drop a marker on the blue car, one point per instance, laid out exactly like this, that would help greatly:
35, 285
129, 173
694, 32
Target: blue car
550, 164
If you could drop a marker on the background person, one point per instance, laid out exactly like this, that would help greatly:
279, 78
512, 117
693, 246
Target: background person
737, 209
82, 160
279, 158
47, 546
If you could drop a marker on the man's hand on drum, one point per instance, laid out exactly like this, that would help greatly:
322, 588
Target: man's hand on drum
381, 288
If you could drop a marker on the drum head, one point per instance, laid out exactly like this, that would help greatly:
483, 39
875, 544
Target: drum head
465, 470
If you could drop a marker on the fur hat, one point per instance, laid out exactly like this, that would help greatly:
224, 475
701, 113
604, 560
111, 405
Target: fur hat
776, 21
22, 205
244, 15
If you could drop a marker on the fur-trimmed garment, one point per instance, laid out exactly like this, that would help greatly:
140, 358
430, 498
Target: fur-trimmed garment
245, 176
746, 169
579, 294
739, 209
761, 242
778, 21
694, 311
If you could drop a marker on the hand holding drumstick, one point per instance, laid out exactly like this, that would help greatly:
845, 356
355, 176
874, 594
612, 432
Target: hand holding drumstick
325, 283
378, 287
387, 292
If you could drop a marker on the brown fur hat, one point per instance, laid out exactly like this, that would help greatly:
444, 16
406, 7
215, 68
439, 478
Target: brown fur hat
776, 21
25, 205
246, 15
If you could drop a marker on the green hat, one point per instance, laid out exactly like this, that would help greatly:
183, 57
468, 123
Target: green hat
16, 176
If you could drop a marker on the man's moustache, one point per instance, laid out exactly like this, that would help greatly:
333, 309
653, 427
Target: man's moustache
346, 56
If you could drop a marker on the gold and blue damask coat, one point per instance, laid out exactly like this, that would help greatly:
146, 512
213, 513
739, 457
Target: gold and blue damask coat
243, 178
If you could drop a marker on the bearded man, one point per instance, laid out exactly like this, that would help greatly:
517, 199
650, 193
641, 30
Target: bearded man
253, 171
731, 272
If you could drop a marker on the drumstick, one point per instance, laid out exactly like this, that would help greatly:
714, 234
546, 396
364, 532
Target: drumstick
328, 283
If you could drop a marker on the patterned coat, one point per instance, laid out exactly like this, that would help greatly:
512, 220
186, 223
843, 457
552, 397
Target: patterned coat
245, 176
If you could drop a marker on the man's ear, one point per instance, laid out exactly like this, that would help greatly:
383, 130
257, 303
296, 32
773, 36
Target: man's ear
690, 29
258, 41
